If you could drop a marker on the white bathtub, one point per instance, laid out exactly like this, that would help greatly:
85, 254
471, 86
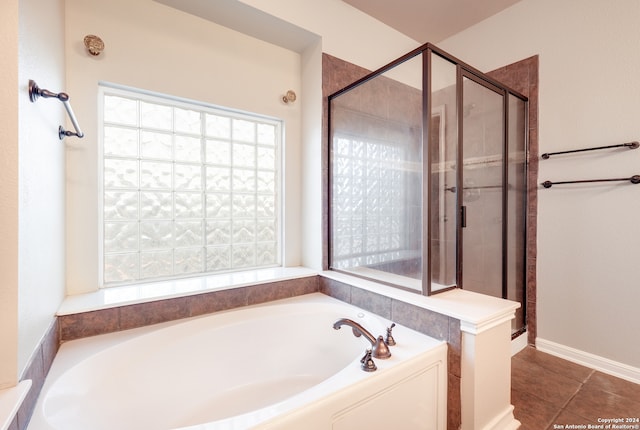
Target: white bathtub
274, 366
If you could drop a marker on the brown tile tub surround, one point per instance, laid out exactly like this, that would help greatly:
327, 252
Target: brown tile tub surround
37, 370
76, 326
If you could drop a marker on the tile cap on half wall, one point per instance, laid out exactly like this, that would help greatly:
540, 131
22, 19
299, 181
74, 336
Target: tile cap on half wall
10, 401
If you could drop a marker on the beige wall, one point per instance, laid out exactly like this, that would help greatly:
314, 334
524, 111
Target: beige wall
9, 194
589, 89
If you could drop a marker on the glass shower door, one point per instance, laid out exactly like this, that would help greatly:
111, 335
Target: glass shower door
516, 209
481, 182
428, 179
376, 178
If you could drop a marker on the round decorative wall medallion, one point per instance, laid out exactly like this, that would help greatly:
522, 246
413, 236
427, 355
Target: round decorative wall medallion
94, 44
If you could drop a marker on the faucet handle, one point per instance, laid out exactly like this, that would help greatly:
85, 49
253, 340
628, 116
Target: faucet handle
390, 340
367, 362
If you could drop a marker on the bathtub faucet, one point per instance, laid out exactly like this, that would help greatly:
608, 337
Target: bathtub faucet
379, 348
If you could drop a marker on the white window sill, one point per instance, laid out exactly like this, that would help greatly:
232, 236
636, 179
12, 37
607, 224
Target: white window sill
141, 293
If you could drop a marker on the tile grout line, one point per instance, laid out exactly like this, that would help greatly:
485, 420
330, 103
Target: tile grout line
593, 371
577, 391
582, 384
555, 417
563, 407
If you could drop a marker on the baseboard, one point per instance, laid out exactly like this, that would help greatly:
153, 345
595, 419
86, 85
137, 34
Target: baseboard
519, 343
505, 421
593, 361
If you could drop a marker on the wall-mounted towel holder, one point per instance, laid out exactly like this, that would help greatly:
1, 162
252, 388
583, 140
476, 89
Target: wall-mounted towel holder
36, 92
635, 179
630, 145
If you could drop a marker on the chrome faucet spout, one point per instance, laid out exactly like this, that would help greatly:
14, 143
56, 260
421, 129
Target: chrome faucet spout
378, 346
358, 330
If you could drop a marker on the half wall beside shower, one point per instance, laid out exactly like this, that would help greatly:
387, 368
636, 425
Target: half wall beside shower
427, 178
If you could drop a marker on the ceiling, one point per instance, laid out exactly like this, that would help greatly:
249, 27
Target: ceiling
430, 20
422, 20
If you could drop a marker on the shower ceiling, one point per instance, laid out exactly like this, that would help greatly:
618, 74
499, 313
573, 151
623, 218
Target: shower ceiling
430, 20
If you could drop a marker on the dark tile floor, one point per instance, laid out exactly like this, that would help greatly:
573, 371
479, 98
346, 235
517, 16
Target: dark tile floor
551, 393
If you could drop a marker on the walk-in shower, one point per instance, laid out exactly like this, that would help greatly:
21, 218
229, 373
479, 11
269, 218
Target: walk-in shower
427, 178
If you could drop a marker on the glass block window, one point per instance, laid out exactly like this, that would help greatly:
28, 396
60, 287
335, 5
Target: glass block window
369, 201
187, 188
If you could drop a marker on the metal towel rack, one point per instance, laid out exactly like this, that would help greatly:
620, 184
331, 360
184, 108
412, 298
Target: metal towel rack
479, 187
630, 145
36, 92
635, 179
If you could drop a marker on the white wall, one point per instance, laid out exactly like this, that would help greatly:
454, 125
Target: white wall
311, 185
346, 32
589, 89
157, 48
9, 194
32, 178
42, 173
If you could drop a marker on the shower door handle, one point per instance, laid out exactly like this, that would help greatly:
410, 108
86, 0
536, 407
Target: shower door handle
463, 216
